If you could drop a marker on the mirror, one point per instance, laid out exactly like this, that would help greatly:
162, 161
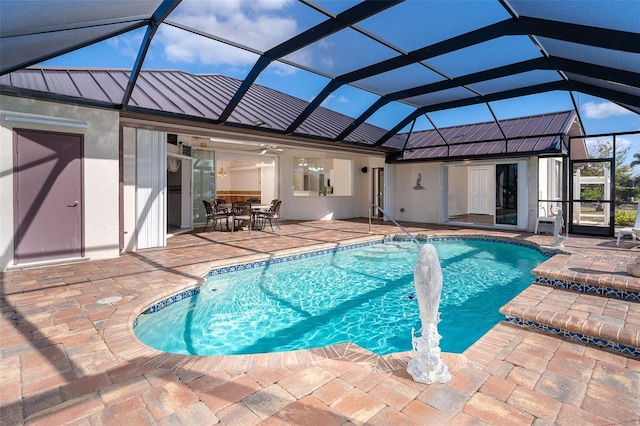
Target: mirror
321, 177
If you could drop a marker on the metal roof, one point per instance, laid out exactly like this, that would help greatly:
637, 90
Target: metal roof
184, 95
524, 47
542, 133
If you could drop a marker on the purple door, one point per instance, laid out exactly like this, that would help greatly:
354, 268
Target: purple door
48, 196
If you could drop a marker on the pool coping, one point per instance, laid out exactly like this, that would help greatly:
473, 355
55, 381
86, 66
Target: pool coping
120, 338
241, 266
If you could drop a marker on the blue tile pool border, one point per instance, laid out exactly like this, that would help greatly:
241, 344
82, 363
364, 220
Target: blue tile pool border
599, 290
545, 251
158, 306
582, 338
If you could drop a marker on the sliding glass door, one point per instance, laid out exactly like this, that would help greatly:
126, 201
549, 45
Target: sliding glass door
486, 194
507, 194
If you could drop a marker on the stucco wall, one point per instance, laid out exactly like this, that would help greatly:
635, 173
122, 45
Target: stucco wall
100, 168
420, 205
327, 207
423, 205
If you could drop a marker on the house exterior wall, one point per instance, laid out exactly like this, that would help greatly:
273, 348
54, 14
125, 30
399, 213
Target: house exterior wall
327, 207
423, 205
102, 130
420, 205
100, 178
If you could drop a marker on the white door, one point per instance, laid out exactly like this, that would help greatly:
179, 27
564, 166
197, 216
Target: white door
479, 193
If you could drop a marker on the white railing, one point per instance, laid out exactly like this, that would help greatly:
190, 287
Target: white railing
375, 206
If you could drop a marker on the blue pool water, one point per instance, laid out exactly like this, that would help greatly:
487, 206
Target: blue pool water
364, 295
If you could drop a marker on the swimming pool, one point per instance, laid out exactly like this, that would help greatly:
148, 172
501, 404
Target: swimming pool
364, 295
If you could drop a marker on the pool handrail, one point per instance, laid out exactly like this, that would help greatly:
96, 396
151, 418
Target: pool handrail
392, 220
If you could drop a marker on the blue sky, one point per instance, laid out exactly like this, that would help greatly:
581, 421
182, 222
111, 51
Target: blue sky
262, 24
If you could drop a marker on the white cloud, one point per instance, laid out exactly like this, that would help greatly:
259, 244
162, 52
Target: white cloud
603, 110
260, 24
127, 44
333, 98
622, 143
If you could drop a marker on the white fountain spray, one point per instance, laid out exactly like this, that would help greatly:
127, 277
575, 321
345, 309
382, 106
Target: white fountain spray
427, 366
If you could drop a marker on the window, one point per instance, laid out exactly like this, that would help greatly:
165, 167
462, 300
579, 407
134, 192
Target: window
321, 177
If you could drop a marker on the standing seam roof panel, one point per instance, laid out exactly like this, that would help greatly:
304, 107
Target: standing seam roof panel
108, 84
89, 87
60, 82
200, 94
281, 108
220, 90
396, 141
365, 133
28, 79
425, 138
249, 116
325, 122
149, 96
184, 100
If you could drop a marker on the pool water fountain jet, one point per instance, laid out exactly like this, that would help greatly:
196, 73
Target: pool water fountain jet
427, 366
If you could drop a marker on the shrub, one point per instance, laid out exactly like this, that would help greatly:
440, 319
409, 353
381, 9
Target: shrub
626, 193
625, 218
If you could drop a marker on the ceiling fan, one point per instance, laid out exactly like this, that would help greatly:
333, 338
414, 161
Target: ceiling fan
271, 149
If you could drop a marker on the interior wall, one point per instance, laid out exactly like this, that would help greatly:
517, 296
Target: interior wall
244, 180
458, 200
100, 168
174, 197
268, 183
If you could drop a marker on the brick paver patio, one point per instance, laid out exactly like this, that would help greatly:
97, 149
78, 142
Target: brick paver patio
69, 357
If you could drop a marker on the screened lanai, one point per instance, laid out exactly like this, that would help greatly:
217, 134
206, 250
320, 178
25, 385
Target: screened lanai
406, 62
403, 89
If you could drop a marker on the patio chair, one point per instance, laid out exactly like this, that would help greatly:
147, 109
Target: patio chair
630, 230
271, 215
254, 201
214, 216
544, 219
217, 203
241, 211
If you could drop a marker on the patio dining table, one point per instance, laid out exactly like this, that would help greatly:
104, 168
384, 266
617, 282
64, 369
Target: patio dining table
255, 208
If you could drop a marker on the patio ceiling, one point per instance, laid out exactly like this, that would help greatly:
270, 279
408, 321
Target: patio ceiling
386, 48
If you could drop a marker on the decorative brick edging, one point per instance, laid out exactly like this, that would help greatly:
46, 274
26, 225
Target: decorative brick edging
572, 335
121, 339
616, 293
241, 266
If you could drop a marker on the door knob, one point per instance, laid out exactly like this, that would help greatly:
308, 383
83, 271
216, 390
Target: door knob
75, 204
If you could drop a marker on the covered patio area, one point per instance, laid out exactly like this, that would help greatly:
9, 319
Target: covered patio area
69, 356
